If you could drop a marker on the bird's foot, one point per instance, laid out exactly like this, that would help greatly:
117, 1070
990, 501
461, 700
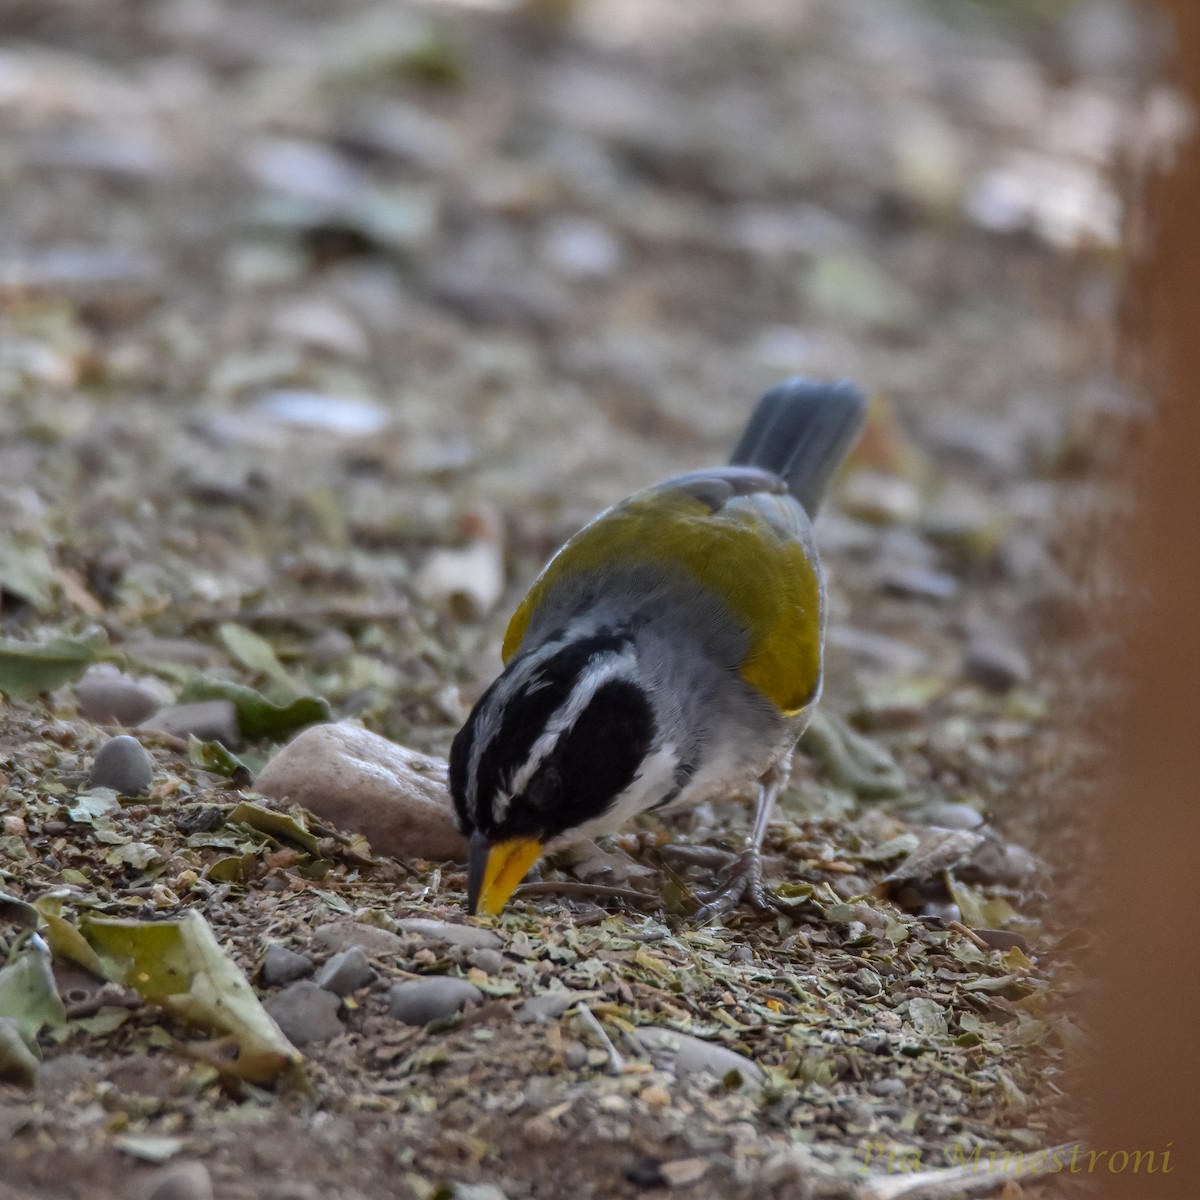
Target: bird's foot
743, 884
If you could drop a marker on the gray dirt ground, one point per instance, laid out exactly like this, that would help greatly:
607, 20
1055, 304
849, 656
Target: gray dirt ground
552, 255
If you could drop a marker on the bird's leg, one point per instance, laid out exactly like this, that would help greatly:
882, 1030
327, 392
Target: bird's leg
743, 876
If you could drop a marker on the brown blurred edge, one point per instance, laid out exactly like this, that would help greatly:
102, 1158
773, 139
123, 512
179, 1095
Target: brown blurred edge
1144, 1075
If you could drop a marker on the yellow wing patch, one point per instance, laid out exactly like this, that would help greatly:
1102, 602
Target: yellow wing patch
764, 577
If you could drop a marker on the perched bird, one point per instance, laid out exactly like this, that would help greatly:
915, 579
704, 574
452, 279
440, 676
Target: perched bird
669, 653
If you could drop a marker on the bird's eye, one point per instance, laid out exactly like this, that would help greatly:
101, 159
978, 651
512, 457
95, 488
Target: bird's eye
544, 789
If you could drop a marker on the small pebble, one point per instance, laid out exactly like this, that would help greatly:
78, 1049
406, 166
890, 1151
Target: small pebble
306, 1013
881, 499
995, 863
539, 1130
419, 1001
684, 1171
477, 1191
490, 962
123, 765
447, 931
341, 935
889, 1087
687, 1055
575, 1056
113, 698
346, 972
547, 1007
581, 249
996, 665
183, 1180
942, 910
330, 648
951, 816
208, 720
281, 965
997, 939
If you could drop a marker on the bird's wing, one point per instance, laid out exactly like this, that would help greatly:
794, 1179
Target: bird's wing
733, 531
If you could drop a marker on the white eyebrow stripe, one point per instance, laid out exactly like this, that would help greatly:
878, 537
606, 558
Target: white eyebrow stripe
492, 719
598, 672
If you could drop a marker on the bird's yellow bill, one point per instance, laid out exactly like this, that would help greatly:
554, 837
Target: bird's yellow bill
493, 871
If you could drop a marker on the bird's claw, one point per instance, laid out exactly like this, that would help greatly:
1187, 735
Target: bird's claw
743, 884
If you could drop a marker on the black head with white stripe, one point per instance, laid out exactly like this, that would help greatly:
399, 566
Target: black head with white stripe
556, 743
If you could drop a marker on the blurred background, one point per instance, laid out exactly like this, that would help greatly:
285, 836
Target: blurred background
336, 319
296, 294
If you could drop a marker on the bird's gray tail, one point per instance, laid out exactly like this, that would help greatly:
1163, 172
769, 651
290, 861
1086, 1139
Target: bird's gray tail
801, 430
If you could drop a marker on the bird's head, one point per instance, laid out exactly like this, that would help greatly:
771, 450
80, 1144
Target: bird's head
553, 745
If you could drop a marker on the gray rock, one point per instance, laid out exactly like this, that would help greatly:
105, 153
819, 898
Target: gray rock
208, 720
330, 648
945, 815
306, 1013
478, 1191
452, 934
890, 1086
358, 780
548, 1006
341, 935
490, 962
995, 664
186, 1179
581, 249
419, 1001
123, 765
995, 863
942, 910
113, 698
346, 972
281, 965
687, 1055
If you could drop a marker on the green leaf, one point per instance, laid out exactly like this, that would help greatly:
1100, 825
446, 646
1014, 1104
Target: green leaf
28, 994
28, 669
180, 966
233, 868
21, 914
107, 1020
26, 571
275, 824
256, 654
257, 716
90, 806
156, 1148
65, 940
218, 759
18, 1063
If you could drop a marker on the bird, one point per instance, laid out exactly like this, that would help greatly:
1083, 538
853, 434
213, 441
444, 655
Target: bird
671, 652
